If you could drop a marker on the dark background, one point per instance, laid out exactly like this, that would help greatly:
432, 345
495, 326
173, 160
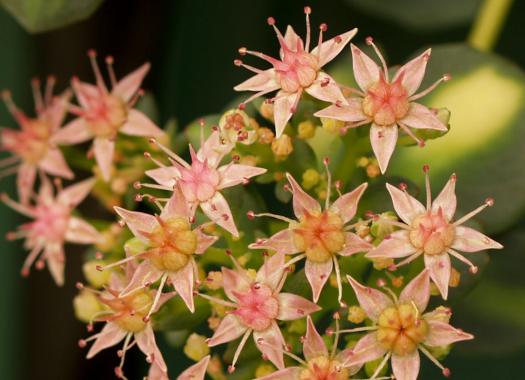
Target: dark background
191, 45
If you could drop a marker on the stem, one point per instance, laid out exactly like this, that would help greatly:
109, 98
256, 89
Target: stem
488, 24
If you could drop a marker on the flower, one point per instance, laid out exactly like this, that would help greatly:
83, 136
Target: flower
53, 225
257, 305
430, 231
103, 113
202, 181
171, 244
31, 146
297, 70
387, 104
319, 235
319, 364
400, 329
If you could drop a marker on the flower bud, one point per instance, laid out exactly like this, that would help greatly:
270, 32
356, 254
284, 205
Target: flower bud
266, 111
382, 263
214, 280
332, 125
306, 130
134, 246
380, 227
196, 347
264, 370
86, 306
235, 126
265, 135
95, 277
311, 178
356, 314
282, 147
455, 278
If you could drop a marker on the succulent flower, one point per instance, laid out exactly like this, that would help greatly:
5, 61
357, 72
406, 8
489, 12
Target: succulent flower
431, 232
298, 69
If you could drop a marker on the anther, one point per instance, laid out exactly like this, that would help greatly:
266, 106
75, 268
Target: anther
82, 343
473, 269
250, 214
323, 27
489, 202
242, 50
92, 53
109, 60
403, 186
446, 372
307, 10
79, 285
447, 77
338, 39
270, 20
231, 369
242, 106
137, 185
237, 62
369, 40
326, 161
426, 168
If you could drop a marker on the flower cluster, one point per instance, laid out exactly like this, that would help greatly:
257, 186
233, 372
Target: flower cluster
190, 221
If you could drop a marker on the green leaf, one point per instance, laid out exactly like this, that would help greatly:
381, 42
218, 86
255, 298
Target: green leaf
174, 315
38, 16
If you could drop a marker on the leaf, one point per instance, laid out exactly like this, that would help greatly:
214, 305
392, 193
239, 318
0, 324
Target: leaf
38, 16
174, 315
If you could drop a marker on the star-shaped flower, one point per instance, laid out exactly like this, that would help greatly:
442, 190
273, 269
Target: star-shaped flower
430, 231
202, 181
318, 235
400, 330
53, 224
31, 145
298, 69
103, 114
387, 104
257, 306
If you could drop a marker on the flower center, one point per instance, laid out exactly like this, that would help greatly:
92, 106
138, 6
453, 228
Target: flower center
106, 115
319, 236
432, 233
129, 311
297, 70
51, 222
172, 244
31, 143
199, 182
258, 307
386, 102
322, 368
400, 329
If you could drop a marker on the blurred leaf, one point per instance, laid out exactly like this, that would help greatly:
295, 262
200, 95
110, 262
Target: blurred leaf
38, 16
421, 14
174, 315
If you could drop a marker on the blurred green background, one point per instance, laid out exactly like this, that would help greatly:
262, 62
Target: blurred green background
191, 44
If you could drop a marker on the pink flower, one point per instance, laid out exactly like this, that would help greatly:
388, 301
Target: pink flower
171, 244
195, 372
202, 181
31, 146
319, 364
103, 113
400, 330
297, 70
53, 225
257, 306
430, 231
319, 235
387, 104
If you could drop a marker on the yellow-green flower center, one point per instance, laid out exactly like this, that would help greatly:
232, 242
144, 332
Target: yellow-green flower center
432, 233
129, 311
323, 368
107, 116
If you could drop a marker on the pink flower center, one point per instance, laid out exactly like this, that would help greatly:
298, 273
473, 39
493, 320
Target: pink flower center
322, 368
199, 182
51, 222
297, 70
105, 115
432, 233
258, 307
386, 102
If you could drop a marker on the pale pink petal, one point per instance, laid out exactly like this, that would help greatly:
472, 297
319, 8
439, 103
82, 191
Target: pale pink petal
291, 39
420, 117
213, 149
144, 273
331, 48
229, 329
446, 200
57, 110
166, 176
394, 246
110, 335
406, 367
177, 206
383, 140
470, 240
85, 92
371, 300
104, 149
283, 109
270, 343
439, 269
155, 373
235, 282
236, 174
406, 206
196, 371
265, 81
346, 204
366, 71
271, 272
183, 281
130, 84
76, 193
354, 244
352, 111
325, 88
303, 203
147, 344
81, 232
313, 344
140, 223
290, 373
293, 307
204, 241
366, 350
75, 132
417, 291
55, 164
139, 124
317, 275
55, 259
218, 210
443, 334
25, 181
413, 72
282, 241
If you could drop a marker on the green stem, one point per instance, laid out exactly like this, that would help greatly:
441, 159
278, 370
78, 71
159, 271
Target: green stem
488, 24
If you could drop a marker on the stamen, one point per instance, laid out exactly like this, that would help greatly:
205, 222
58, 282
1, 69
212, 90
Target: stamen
111, 71
139, 185
338, 278
9, 161
409, 132
24, 210
238, 351
254, 96
30, 259
37, 95
9, 171
419, 95
307, 11
124, 349
170, 154
326, 161
381, 366
267, 58
157, 297
391, 292
251, 215
285, 351
50, 85
426, 169
92, 54
408, 260
12, 108
294, 260
322, 28
217, 300
446, 371
359, 329
489, 202
120, 262
473, 268
135, 98
240, 63
155, 161
337, 334
370, 42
